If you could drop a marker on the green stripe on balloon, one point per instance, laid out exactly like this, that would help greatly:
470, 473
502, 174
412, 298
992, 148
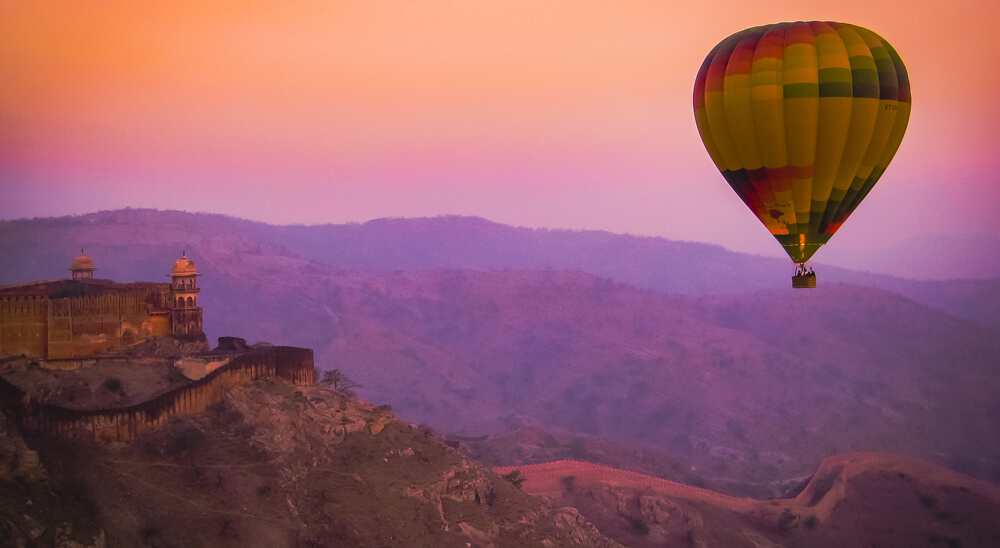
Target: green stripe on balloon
802, 90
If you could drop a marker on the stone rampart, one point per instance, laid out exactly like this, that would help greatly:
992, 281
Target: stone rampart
124, 423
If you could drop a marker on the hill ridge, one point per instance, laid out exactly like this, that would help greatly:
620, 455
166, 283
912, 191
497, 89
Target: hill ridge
419, 243
823, 490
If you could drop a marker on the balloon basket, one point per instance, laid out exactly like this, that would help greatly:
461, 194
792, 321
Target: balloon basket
803, 282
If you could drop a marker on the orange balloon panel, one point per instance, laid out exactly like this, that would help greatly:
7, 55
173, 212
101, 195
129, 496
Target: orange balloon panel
802, 119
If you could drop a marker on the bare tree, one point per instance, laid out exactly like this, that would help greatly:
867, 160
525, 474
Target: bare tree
334, 379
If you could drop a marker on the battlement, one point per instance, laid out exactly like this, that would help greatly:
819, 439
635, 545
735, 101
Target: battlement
24, 305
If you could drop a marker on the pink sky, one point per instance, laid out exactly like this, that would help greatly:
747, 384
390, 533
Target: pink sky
556, 114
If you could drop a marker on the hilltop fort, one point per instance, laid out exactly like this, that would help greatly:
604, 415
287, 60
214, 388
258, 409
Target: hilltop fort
95, 359
83, 315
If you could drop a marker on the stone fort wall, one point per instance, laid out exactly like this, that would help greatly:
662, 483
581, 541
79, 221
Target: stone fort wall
39, 326
125, 423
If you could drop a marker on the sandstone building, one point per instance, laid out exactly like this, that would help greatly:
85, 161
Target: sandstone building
81, 315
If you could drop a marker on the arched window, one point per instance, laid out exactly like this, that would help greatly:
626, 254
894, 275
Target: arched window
180, 302
190, 302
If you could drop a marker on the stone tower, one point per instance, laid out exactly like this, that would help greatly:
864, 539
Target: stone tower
82, 267
185, 314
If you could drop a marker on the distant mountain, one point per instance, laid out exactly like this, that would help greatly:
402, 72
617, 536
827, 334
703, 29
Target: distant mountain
933, 256
128, 243
748, 384
753, 387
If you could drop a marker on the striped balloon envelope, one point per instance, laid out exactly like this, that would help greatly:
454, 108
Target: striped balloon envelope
802, 119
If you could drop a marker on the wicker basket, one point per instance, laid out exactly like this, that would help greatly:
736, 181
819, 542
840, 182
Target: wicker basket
801, 282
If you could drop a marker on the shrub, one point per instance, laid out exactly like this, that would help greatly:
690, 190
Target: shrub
786, 521
148, 531
516, 478
638, 526
114, 384
427, 430
182, 438
929, 501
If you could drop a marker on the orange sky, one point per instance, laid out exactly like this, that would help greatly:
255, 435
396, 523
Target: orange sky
560, 114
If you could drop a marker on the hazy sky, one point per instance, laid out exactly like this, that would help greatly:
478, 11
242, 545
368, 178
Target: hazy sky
571, 114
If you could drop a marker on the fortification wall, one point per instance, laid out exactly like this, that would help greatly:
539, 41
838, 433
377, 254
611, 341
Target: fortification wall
24, 326
124, 423
88, 324
113, 320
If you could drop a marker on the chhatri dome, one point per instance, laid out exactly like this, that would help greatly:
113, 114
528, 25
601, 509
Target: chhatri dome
184, 267
82, 267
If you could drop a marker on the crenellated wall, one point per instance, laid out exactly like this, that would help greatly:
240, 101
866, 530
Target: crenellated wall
124, 423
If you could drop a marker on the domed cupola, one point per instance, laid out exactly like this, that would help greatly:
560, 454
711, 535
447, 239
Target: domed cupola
82, 267
184, 276
183, 267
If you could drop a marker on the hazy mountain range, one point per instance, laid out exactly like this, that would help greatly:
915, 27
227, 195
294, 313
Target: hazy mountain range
444, 242
925, 256
478, 328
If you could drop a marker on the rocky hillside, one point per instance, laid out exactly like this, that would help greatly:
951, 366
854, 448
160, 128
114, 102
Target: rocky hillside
533, 445
279, 465
857, 499
275, 465
753, 388
31, 513
756, 387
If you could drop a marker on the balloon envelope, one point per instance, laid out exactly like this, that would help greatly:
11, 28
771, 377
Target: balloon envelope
802, 119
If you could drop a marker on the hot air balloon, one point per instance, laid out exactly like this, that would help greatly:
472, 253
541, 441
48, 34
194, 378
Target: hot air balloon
802, 119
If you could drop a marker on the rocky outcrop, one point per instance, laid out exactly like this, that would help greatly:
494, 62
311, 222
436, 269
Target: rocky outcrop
31, 514
855, 499
552, 478
828, 487
278, 464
